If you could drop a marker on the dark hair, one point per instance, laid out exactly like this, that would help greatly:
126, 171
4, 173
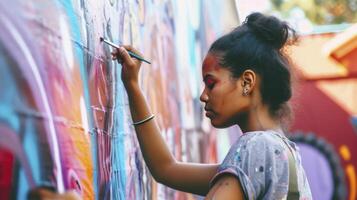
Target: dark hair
258, 44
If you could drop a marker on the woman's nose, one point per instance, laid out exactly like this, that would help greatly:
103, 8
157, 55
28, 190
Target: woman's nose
204, 96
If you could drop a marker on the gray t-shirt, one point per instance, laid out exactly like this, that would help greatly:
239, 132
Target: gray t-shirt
259, 160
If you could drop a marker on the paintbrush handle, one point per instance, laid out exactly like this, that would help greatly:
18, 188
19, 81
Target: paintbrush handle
130, 53
138, 57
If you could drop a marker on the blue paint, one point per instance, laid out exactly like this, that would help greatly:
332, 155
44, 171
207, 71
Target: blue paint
9, 93
11, 98
118, 148
354, 123
31, 137
31, 144
23, 185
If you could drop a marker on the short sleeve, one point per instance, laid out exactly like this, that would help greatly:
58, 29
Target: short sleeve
260, 163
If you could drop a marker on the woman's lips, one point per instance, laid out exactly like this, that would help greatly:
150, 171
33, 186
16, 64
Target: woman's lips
209, 114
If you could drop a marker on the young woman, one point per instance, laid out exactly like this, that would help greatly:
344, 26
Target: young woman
247, 83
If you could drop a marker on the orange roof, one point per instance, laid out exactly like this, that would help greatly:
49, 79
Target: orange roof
343, 48
310, 59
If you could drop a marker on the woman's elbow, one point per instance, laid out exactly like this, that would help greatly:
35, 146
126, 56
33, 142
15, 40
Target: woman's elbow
162, 174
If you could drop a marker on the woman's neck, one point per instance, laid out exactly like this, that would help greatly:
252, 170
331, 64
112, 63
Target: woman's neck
259, 118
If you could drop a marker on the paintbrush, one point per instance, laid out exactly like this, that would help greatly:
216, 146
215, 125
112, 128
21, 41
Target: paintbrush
130, 53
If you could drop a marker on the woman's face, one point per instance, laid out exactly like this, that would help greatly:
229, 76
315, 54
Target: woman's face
222, 94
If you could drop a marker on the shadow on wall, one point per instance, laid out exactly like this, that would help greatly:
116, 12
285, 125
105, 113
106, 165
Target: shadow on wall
64, 119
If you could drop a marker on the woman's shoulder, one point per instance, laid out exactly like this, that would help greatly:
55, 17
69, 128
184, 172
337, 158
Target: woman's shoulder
259, 139
257, 146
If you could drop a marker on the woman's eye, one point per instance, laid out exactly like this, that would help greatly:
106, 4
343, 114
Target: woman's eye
210, 83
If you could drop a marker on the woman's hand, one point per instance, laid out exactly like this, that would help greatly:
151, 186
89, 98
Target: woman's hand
131, 66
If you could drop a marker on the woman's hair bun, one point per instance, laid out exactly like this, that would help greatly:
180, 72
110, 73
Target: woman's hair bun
270, 29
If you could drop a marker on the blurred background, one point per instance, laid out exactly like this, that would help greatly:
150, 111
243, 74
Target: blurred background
64, 118
325, 99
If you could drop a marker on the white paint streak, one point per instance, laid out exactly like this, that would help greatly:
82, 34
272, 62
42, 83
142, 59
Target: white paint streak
66, 42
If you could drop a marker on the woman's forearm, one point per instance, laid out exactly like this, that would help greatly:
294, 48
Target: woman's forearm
154, 149
165, 169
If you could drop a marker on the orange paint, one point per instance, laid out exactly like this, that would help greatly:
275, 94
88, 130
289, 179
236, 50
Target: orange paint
345, 152
351, 174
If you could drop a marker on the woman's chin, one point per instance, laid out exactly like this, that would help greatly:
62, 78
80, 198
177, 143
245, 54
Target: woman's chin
217, 124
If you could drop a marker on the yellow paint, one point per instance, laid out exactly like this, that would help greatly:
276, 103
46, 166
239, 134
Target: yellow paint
345, 152
351, 174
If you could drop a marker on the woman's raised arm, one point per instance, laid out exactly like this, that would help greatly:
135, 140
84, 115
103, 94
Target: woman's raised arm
193, 178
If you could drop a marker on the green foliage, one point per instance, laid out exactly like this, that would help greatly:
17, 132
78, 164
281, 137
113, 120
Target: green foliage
320, 12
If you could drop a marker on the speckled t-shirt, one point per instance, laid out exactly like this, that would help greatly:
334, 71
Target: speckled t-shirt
260, 161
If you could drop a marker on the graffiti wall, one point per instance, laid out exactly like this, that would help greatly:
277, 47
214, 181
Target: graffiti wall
64, 118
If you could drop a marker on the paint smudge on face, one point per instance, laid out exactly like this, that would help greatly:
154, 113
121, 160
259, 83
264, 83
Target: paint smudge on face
211, 63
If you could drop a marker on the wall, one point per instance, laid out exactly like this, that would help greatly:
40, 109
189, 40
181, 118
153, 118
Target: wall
64, 118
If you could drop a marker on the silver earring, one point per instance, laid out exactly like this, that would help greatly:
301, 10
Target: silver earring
245, 91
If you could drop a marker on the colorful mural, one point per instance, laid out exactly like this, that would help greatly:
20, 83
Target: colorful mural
64, 118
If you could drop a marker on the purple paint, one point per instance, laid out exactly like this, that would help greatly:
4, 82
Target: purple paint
318, 172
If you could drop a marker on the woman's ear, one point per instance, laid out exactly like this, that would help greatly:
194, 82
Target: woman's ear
249, 78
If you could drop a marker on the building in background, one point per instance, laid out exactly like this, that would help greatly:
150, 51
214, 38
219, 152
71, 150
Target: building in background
325, 107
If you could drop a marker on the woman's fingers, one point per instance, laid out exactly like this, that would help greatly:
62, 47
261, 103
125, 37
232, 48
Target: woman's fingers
125, 57
116, 56
132, 49
122, 53
115, 51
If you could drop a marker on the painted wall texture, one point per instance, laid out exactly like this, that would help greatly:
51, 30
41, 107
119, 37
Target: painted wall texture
64, 118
